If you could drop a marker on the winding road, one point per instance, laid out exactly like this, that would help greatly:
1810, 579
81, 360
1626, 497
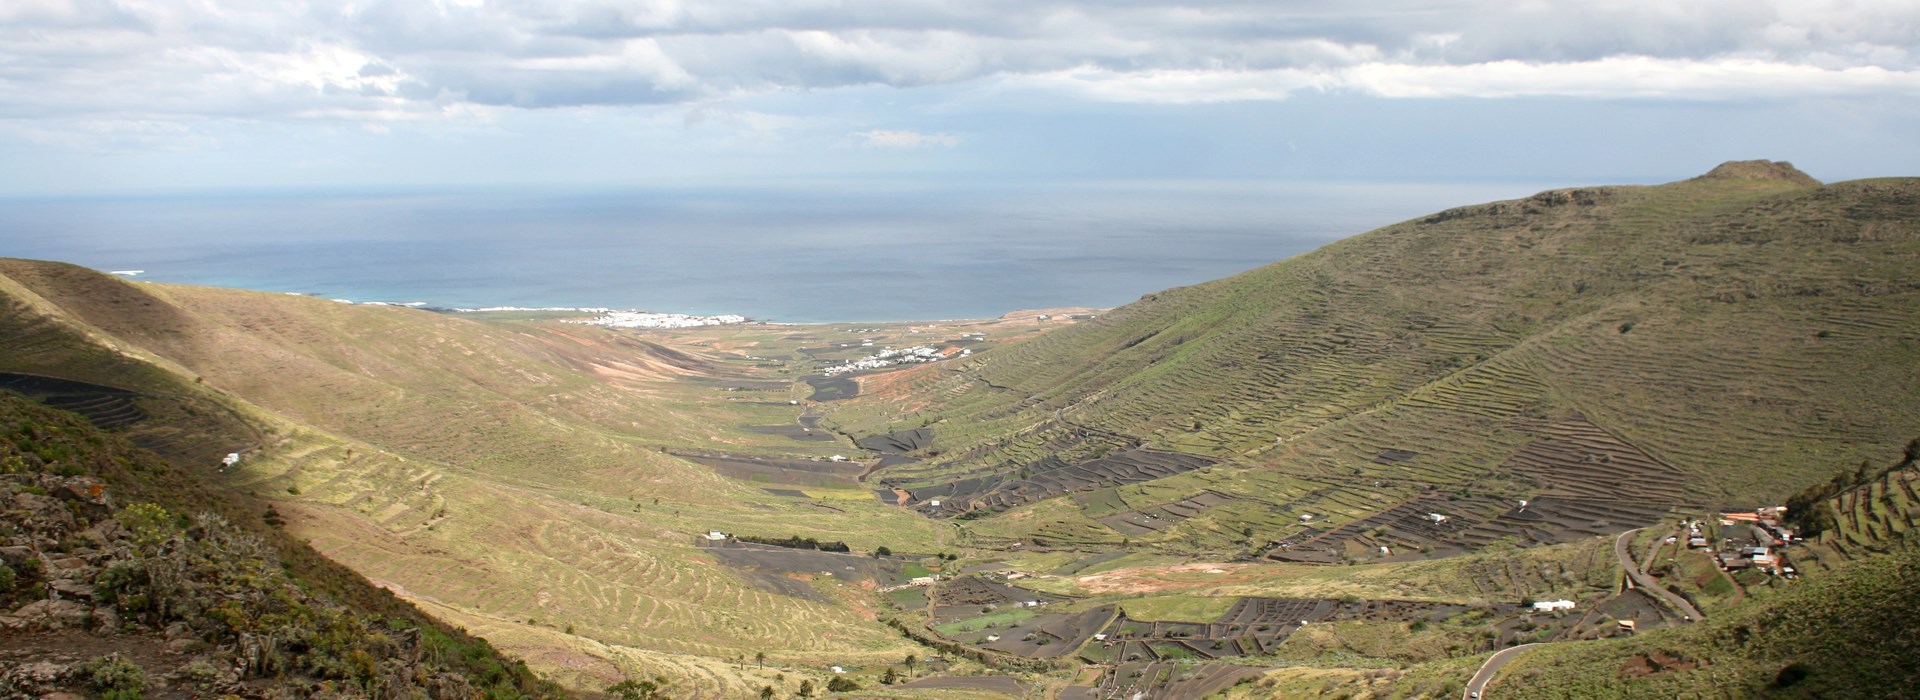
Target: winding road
1491, 668
1646, 583
1635, 578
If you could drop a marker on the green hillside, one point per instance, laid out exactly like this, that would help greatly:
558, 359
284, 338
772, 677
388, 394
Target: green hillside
1607, 352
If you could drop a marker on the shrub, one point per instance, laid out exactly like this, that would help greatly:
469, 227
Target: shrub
149, 523
113, 677
839, 684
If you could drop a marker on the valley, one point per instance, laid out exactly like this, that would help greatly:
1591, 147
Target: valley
1358, 471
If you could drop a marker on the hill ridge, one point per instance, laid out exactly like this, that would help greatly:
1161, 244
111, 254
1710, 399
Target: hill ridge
1773, 170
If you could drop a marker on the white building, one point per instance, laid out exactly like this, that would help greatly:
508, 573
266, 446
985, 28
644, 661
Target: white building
1552, 605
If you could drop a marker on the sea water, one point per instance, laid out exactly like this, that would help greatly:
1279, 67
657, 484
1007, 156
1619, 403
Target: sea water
802, 253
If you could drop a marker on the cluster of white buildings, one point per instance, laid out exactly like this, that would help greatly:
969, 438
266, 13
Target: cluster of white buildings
892, 356
649, 319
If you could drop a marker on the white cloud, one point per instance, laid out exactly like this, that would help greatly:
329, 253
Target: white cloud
900, 139
1629, 76
163, 60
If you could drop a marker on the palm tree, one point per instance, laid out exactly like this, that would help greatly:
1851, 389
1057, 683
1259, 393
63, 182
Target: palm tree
910, 661
766, 692
760, 657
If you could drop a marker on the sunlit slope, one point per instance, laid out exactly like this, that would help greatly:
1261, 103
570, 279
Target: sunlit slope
1746, 330
505, 475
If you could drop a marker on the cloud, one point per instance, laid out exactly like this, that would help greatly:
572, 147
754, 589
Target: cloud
1622, 77
166, 60
884, 138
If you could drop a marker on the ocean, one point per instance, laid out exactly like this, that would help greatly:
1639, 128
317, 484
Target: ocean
841, 252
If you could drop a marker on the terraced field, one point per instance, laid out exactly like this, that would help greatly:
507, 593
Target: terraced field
1049, 478
1595, 351
521, 490
1376, 451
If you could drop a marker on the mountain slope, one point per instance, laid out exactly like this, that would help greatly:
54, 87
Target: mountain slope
1719, 340
506, 477
123, 562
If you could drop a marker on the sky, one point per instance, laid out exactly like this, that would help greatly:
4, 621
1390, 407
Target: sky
130, 96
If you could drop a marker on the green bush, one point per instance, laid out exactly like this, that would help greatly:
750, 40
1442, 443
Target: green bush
113, 677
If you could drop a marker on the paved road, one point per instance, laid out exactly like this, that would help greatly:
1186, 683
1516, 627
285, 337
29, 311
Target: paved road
1478, 686
1646, 583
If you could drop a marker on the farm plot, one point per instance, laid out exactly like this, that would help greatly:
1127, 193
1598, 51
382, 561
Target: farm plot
1427, 526
174, 427
740, 384
1156, 518
1252, 626
899, 443
104, 406
827, 388
786, 571
1052, 477
970, 597
801, 472
1166, 681
1042, 636
795, 432
1576, 459
1550, 520
1005, 685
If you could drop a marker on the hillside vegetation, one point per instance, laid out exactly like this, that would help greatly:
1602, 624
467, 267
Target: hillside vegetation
126, 577
1361, 466
1844, 633
507, 477
1608, 353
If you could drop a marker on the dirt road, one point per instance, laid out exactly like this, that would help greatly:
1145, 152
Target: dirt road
1646, 583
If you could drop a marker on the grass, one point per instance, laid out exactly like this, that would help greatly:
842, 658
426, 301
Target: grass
985, 624
1177, 608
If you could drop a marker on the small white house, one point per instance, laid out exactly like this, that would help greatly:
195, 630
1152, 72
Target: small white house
716, 535
837, 669
935, 503
1438, 519
993, 637
1552, 605
231, 459
838, 458
1306, 517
